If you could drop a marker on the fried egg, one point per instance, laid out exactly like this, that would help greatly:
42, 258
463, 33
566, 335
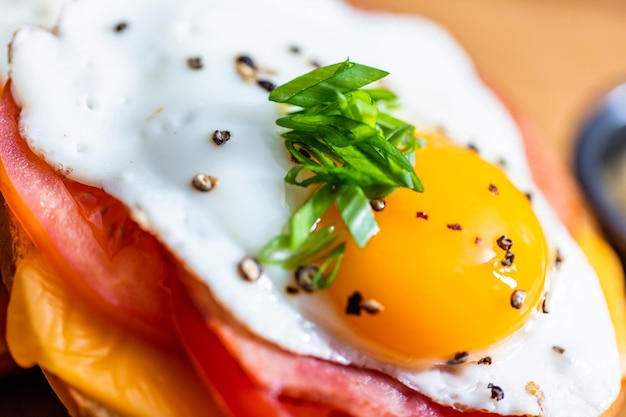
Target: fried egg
17, 13
127, 96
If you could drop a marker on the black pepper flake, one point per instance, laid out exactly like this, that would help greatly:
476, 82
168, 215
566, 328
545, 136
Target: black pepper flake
267, 85
558, 349
195, 63
305, 277
509, 257
559, 259
473, 147
203, 182
292, 290
529, 196
485, 361
422, 215
502, 162
454, 226
378, 205
493, 189
315, 64
295, 49
120, 27
497, 393
220, 137
545, 304
250, 269
517, 299
354, 304
372, 307
458, 358
504, 242
246, 60
478, 240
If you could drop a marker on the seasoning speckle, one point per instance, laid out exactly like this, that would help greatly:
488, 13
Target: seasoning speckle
529, 196
220, 137
204, 183
496, 392
195, 63
473, 147
558, 349
545, 304
246, 60
354, 304
478, 240
120, 27
372, 307
422, 215
504, 242
454, 226
267, 85
378, 205
493, 189
250, 269
295, 49
559, 259
485, 361
517, 299
509, 257
459, 358
305, 277
291, 290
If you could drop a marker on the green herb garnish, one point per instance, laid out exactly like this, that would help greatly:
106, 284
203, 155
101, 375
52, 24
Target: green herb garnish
345, 142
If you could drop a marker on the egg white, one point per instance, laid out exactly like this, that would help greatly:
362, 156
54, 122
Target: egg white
15, 14
123, 111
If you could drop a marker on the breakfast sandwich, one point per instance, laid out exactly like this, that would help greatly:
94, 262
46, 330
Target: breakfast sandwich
290, 208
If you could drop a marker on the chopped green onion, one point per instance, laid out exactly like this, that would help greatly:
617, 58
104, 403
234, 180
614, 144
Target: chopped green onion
351, 149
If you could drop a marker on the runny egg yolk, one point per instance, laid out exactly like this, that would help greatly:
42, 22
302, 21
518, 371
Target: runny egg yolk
454, 269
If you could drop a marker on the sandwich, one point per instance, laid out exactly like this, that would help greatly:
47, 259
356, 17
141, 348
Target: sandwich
289, 209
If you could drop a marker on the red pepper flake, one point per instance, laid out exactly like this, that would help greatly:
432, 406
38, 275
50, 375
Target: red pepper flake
458, 358
497, 393
454, 226
250, 269
485, 361
354, 304
493, 189
517, 299
422, 215
378, 205
120, 27
195, 63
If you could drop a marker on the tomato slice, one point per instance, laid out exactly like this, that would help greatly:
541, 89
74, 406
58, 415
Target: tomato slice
87, 237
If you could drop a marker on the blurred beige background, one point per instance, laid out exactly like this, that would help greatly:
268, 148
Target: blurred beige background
549, 58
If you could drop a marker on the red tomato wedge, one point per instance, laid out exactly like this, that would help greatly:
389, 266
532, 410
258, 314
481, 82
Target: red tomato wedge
87, 237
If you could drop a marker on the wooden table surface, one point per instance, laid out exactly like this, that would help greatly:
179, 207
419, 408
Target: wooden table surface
550, 58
